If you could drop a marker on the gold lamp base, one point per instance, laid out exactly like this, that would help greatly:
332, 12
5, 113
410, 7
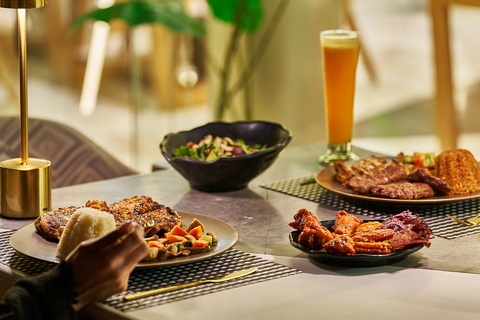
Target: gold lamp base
23, 4
25, 188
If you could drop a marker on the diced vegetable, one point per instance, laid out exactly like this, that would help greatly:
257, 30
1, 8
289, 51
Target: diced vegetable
195, 223
209, 239
152, 254
420, 160
179, 242
200, 244
196, 232
174, 238
156, 244
177, 231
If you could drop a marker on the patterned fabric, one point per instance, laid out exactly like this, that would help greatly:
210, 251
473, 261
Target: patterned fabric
75, 158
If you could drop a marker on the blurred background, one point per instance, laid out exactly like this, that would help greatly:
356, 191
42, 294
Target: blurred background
135, 108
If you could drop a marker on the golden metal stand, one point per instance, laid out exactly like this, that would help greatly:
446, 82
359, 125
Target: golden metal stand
25, 182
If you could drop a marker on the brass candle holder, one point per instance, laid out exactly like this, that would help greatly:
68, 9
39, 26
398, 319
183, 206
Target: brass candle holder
25, 183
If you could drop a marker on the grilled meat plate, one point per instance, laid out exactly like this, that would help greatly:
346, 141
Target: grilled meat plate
389, 179
138, 209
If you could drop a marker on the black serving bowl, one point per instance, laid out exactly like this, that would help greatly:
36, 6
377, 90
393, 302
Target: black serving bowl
232, 173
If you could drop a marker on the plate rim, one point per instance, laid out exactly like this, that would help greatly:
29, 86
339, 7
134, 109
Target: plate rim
147, 264
326, 179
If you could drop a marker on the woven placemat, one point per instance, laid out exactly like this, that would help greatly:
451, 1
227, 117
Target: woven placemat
434, 214
225, 263
142, 280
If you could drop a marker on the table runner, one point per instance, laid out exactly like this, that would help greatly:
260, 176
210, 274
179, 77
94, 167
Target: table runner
434, 214
147, 279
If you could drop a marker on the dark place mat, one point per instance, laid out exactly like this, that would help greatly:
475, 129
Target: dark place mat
148, 279
434, 214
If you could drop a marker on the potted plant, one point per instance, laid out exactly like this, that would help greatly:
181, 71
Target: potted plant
244, 17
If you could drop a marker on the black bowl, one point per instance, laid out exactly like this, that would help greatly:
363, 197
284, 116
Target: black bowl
227, 174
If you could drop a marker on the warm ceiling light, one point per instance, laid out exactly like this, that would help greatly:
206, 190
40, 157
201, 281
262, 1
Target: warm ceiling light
23, 4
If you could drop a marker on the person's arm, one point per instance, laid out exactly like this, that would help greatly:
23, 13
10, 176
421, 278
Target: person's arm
95, 270
47, 296
101, 267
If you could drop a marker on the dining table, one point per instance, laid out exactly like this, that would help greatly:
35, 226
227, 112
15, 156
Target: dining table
441, 281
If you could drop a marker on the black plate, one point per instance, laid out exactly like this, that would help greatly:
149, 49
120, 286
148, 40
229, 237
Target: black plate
357, 260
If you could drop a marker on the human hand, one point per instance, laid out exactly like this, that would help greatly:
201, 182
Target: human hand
101, 267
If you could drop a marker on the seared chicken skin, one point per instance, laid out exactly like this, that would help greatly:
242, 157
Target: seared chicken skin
143, 210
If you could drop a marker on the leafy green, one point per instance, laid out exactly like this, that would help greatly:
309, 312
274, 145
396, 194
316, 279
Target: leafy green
184, 151
214, 149
169, 13
246, 14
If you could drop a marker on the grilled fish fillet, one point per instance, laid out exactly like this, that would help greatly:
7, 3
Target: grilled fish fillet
138, 209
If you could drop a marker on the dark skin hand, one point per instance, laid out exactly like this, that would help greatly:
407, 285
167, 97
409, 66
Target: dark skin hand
101, 267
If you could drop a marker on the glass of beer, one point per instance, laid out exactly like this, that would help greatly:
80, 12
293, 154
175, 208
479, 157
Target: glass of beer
340, 50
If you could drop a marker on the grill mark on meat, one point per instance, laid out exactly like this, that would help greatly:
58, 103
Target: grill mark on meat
138, 208
51, 224
363, 184
404, 190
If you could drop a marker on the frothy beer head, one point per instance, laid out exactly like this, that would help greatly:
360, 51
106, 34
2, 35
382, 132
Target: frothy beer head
339, 39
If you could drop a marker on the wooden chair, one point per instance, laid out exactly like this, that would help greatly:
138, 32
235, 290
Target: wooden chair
446, 116
75, 158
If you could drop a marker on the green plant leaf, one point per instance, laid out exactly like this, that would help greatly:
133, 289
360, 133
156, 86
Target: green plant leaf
169, 13
246, 14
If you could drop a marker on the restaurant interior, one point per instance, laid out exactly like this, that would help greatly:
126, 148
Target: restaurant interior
394, 108
269, 234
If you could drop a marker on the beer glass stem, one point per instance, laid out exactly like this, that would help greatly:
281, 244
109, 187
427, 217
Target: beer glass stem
337, 152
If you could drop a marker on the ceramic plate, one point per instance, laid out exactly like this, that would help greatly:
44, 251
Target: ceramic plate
356, 260
27, 241
326, 179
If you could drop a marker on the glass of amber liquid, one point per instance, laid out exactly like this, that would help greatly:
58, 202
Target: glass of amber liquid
340, 50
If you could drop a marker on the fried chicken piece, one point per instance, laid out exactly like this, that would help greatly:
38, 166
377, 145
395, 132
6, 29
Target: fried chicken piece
368, 226
313, 235
343, 172
346, 223
99, 205
301, 218
373, 247
373, 235
341, 244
